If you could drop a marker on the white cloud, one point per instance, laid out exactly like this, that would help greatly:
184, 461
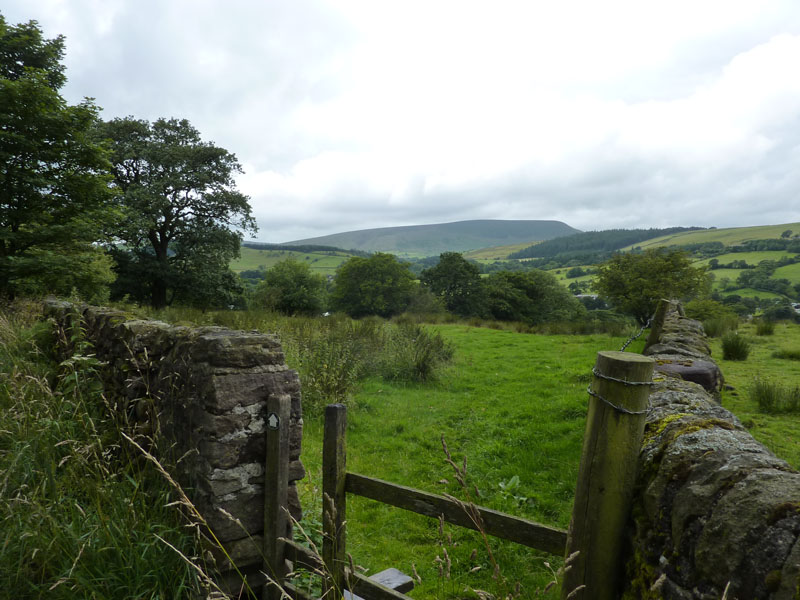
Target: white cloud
350, 114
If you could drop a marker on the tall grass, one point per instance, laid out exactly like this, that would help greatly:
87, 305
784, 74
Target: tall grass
774, 398
79, 518
333, 354
735, 347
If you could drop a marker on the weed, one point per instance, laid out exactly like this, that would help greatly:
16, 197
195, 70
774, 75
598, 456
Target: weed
765, 327
775, 398
787, 353
735, 347
719, 326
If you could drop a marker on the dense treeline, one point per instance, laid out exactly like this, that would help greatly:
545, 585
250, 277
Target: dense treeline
307, 248
595, 241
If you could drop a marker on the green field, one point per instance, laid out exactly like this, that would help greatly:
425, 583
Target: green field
729, 236
324, 262
781, 434
751, 258
496, 252
514, 404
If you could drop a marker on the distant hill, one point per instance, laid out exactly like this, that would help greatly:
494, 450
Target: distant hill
431, 240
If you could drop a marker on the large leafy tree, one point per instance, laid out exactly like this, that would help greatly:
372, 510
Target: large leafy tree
290, 287
184, 215
378, 285
530, 297
55, 203
634, 282
457, 282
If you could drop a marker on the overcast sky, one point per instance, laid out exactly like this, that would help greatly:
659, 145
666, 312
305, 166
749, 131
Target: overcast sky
353, 114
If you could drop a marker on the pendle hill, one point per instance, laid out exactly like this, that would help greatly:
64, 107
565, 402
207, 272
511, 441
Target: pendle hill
431, 240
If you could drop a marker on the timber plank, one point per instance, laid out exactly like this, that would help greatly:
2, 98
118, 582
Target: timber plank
502, 525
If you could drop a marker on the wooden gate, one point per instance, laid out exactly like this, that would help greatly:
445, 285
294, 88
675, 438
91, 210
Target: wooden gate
614, 430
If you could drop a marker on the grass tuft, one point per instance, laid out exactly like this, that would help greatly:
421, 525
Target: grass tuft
735, 347
774, 398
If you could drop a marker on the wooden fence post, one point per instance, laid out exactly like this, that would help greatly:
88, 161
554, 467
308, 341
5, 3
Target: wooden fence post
614, 430
276, 483
334, 511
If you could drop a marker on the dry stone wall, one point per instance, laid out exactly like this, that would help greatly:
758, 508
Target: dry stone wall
714, 508
206, 389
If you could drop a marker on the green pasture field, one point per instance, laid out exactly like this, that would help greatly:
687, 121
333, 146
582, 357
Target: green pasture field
780, 433
324, 263
514, 405
790, 272
752, 293
751, 258
496, 252
729, 236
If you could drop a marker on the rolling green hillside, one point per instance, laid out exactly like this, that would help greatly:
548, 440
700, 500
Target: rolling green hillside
730, 236
431, 240
323, 262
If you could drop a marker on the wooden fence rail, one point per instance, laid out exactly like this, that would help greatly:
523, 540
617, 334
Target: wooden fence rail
497, 524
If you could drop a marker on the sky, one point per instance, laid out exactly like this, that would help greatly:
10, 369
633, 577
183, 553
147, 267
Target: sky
355, 114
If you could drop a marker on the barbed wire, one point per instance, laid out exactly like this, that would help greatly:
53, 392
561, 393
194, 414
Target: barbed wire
621, 409
636, 335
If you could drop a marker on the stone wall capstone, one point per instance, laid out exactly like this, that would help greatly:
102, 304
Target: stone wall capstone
713, 508
206, 388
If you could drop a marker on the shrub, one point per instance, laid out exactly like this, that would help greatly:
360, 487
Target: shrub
735, 347
719, 326
787, 353
414, 353
764, 327
774, 398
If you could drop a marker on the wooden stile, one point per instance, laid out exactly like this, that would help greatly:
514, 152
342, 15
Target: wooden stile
614, 431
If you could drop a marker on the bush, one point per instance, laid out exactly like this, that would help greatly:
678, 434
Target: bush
787, 353
719, 326
414, 353
735, 347
764, 327
774, 398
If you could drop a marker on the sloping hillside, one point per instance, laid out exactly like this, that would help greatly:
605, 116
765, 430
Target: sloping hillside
730, 236
430, 240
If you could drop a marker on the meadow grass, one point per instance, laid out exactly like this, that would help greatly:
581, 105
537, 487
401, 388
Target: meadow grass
324, 263
514, 405
728, 236
80, 516
781, 434
751, 258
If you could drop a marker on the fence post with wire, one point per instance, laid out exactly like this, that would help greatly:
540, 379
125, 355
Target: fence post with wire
614, 431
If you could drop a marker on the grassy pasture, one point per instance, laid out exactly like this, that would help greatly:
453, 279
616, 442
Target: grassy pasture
324, 263
728, 236
515, 405
779, 433
751, 258
496, 252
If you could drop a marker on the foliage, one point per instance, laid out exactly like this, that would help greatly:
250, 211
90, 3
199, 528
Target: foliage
787, 353
594, 242
379, 285
531, 297
183, 213
80, 519
458, 282
54, 199
292, 289
634, 283
774, 398
735, 347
